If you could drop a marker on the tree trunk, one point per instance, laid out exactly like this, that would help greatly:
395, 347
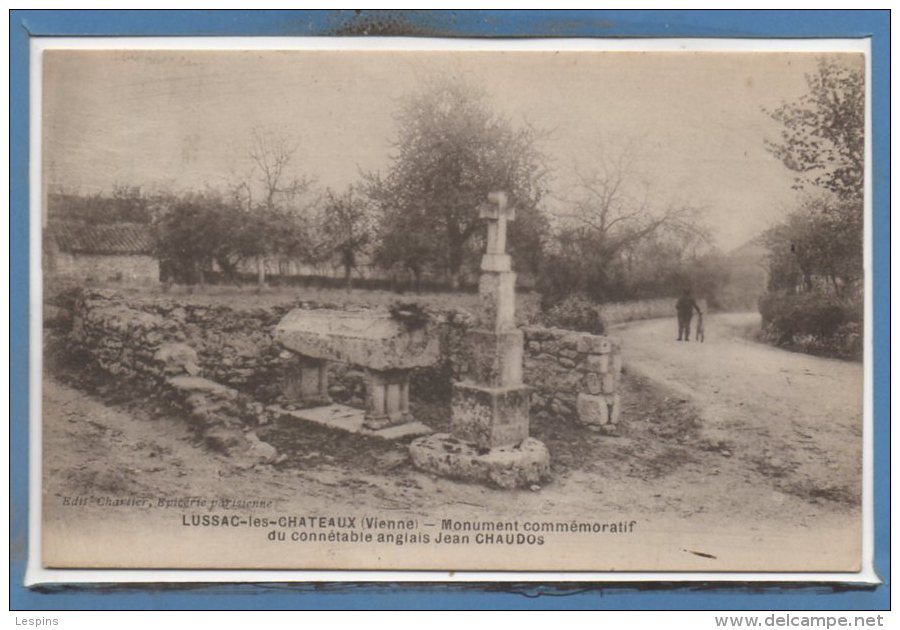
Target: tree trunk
260, 271
348, 277
454, 256
349, 260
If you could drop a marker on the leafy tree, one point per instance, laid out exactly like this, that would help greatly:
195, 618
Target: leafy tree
404, 239
822, 138
818, 247
125, 204
666, 262
198, 231
347, 226
131, 204
451, 150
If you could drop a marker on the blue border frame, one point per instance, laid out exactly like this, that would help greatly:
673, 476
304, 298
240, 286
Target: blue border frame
471, 23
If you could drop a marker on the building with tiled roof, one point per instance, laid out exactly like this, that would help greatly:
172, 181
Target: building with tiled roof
100, 252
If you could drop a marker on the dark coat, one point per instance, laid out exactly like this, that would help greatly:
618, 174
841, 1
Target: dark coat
685, 307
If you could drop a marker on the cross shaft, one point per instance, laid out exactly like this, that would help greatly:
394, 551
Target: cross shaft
497, 212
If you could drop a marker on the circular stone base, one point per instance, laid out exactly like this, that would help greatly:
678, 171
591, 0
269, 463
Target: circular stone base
518, 466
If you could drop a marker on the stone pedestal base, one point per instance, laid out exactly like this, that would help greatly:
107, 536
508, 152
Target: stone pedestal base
518, 466
387, 398
488, 417
306, 382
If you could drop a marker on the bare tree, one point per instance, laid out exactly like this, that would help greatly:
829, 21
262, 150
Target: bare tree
611, 206
272, 154
606, 222
272, 192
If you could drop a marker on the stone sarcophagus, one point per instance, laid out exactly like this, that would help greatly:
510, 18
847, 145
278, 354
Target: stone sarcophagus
387, 347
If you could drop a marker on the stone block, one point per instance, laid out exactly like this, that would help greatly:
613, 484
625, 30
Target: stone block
495, 358
259, 450
569, 341
305, 381
190, 384
592, 410
594, 344
597, 363
518, 466
561, 407
593, 383
175, 357
552, 346
496, 262
615, 409
536, 333
608, 383
550, 376
192, 369
489, 417
497, 298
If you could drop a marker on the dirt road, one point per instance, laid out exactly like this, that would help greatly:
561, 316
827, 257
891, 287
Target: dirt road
794, 418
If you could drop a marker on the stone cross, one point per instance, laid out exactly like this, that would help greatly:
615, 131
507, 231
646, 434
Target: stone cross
497, 213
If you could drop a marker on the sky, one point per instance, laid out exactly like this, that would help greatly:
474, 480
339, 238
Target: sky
181, 120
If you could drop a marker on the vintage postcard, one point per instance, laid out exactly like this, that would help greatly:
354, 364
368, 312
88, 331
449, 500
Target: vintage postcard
458, 310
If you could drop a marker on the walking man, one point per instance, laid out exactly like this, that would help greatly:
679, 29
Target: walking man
685, 309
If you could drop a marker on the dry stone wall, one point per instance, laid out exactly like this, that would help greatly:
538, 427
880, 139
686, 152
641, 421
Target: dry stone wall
150, 351
573, 375
121, 340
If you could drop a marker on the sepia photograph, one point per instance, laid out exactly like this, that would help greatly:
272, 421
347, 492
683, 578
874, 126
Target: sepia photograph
453, 310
